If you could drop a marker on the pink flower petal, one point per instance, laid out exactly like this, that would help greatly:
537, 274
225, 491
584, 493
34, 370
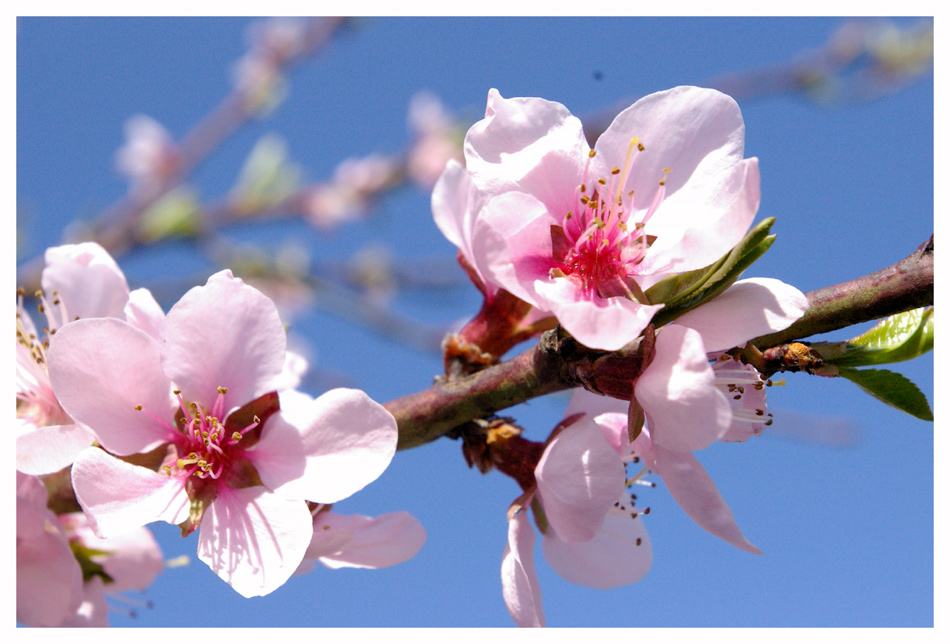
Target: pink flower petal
579, 478
377, 542
101, 370
528, 145
48, 579
346, 440
117, 496
612, 558
610, 414
455, 202
93, 612
703, 221
747, 309
696, 493
684, 409
513, 251
144, 313
601, 323
223, 334
45, 450
254, 540
87, 280
695, 132
519, 581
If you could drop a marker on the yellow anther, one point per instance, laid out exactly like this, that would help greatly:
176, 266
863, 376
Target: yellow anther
583, 188
177, 392
38, 293
138, 408
602, 182
640, 147
616, 170
257, 418
236, 436
167, 470
222, 390
592, 153
568, 215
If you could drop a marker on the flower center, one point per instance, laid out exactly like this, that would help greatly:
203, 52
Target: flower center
596, 247
205, 449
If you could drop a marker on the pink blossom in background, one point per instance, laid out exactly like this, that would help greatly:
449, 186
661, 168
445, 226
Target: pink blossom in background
79, 281
581, 233
242, 478
149, 157
131, 560
49, 586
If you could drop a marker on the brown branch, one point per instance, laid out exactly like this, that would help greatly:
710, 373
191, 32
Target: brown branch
558, 362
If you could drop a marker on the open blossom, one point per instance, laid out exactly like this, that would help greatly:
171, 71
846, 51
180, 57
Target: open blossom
582, 233
689, 404
588, 539
196, 393
80, 281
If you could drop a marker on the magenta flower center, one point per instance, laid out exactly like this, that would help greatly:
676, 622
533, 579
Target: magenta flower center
596, 247
206, 449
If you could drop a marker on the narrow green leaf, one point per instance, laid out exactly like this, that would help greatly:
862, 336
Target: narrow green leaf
893, 389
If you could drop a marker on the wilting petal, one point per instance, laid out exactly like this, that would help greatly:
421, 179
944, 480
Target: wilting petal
117, 496
684, 409
223, 334
619, 554
45, 450
377, 542
87, 280
747, 309
579, 478
347, 441
696, 493
519, 581
143, 312
101, 370
254, 540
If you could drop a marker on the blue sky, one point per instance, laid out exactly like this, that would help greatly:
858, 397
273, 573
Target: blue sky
847, 531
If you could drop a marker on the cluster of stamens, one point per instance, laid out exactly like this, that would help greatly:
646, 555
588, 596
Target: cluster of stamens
34, 392
602, 247
207, 446
627, 505
745, 389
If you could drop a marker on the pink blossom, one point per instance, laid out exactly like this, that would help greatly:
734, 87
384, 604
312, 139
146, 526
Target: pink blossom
241, 477
128, 561
48, 579
587, 538
581, 232
358, 541
149, 157
79, 281
689, 404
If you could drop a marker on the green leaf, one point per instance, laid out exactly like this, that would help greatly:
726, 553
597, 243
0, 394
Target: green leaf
893, 389
686, 291
267, 178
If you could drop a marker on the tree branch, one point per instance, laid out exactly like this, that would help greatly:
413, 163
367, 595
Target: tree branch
558, 362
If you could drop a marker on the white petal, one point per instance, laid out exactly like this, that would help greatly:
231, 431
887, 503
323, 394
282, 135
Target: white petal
254, 540
519, 581
747, 309
684, 409
347, 440
117, 496
378, 542
223, 334
579, 478
694, 490
101, 370
612, 558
